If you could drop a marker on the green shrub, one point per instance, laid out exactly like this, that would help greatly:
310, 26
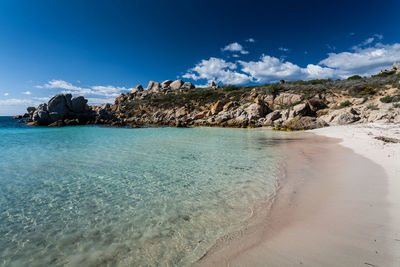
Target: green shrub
343, 104
372, 106
229, 88
386, 99
354, 77
368, 91
396, 105
273, 89
311, 82
384, 74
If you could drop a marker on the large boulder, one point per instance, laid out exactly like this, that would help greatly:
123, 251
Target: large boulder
316, 104
303, 109
286, 99
346, 118
176, 84
30, 110
273, 116
57, 107
104, 112
138, 88
305, 123
217, 108
165, 84
188, 85
257, 110
79, 104
41, 115
154, 86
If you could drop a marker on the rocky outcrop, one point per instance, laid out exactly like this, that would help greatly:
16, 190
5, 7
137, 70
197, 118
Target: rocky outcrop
395, 68
176, 84
63, 110
154, 86
138, 89
304, 123
217, 107
41, 115
257, 110
290, 105
188, 85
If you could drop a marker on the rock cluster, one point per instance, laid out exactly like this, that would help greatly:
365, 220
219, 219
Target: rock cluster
155, 87
285, 105
395, 68
63, 109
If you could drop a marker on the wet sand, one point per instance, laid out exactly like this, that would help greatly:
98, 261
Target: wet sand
331, 210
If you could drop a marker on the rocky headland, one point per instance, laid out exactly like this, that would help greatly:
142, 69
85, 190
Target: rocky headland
294, 105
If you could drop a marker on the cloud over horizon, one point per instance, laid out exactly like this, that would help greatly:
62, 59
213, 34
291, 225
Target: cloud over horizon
97, 90
362, 61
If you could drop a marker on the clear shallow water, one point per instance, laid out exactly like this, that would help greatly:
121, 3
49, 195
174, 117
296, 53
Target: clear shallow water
112, 196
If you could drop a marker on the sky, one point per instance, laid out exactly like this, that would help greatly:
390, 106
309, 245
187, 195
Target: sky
102, 48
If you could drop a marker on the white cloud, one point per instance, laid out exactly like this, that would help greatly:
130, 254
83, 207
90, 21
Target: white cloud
59, 84
283, 49
5, 94
217, 70
367, 41
27, 93
234, 55
250, 40
271, 69
98, 90
99, 101
364, 61
15, 101
108, 90
235, 47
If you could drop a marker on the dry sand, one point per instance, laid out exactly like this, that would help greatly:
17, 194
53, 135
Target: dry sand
334, 208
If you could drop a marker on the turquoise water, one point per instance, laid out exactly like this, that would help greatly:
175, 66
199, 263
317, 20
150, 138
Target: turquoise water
86, 196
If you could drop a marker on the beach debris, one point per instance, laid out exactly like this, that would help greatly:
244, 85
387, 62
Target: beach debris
370, 264
387, 139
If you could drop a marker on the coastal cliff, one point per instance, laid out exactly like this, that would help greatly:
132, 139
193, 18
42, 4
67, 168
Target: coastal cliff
294, 105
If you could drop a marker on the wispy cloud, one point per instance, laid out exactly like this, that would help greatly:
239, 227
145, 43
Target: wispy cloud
283, 49
27, 93
6, 94
97, 90
235, 47
250, 40
16, 101
367, 41
331, 47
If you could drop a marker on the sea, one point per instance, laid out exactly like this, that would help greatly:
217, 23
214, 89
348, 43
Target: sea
104, 196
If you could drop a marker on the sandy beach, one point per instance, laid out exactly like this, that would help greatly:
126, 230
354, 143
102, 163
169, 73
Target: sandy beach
338, 204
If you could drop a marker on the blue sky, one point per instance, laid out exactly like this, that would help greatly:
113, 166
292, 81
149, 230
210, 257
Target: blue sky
99, 49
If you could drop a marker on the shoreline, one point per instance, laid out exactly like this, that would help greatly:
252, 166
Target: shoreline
320, 217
